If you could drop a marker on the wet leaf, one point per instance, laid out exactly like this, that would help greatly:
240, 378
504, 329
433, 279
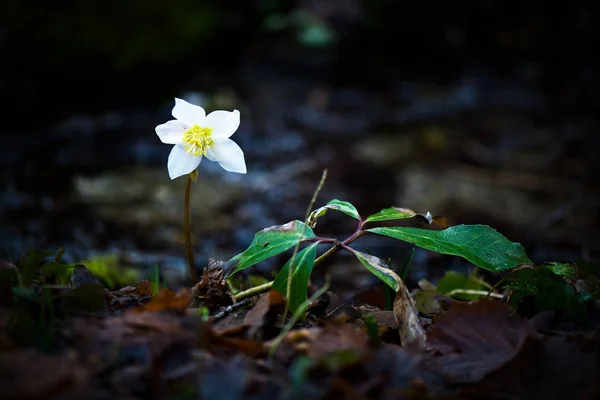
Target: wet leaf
473, 339
479, 244
550, 291
453, 280
272, 241
380, 269
167, 299
338, 205
304, 262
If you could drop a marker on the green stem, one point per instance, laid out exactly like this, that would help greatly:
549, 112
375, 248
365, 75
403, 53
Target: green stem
288, 290
188, 231
255, 291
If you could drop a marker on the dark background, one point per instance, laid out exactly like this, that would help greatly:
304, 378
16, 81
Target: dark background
484, 112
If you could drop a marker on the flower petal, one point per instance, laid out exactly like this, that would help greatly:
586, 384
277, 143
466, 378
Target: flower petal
171, 132
229, 155
181, 163
188, 113
223, 123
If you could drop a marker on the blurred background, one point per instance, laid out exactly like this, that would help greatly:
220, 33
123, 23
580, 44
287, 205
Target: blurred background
480, 111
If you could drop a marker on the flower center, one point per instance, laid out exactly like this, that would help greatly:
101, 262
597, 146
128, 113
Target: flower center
197, 140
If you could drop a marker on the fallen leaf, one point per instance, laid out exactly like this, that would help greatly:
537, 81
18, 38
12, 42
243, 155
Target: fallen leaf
385, 319
412, 334
167, 299
374, 296
27, 374
473, 339
265, 312
427, 302
337, 337
143, 288
548, 368
247, 346
337, 308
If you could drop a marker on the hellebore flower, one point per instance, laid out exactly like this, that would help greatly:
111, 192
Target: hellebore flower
196, 134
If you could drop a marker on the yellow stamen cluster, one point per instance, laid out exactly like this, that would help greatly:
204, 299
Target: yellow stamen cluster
197, 140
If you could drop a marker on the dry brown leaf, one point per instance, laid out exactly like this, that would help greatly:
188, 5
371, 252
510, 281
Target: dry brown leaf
337, 337
247, 346
412, 334
27, 374
385, 319
167, 299
336, 308
143, 288
213, 291
548, 368
266, 310
473, 339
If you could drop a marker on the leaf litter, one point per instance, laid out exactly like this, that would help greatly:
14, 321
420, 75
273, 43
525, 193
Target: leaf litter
139, 342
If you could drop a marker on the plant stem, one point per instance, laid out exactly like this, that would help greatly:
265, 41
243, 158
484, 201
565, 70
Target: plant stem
188, 231
254, 291
288, 289
267, 286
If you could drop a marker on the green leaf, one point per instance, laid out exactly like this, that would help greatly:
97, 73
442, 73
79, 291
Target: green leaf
30, 265
378, 268
563, 269
389, 214
61, 271
107, 268
453, 280
549, 290
272, 241
479, 244
303, 265
337, 205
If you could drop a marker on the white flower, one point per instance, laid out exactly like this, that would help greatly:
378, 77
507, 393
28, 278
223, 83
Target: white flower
196, 134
